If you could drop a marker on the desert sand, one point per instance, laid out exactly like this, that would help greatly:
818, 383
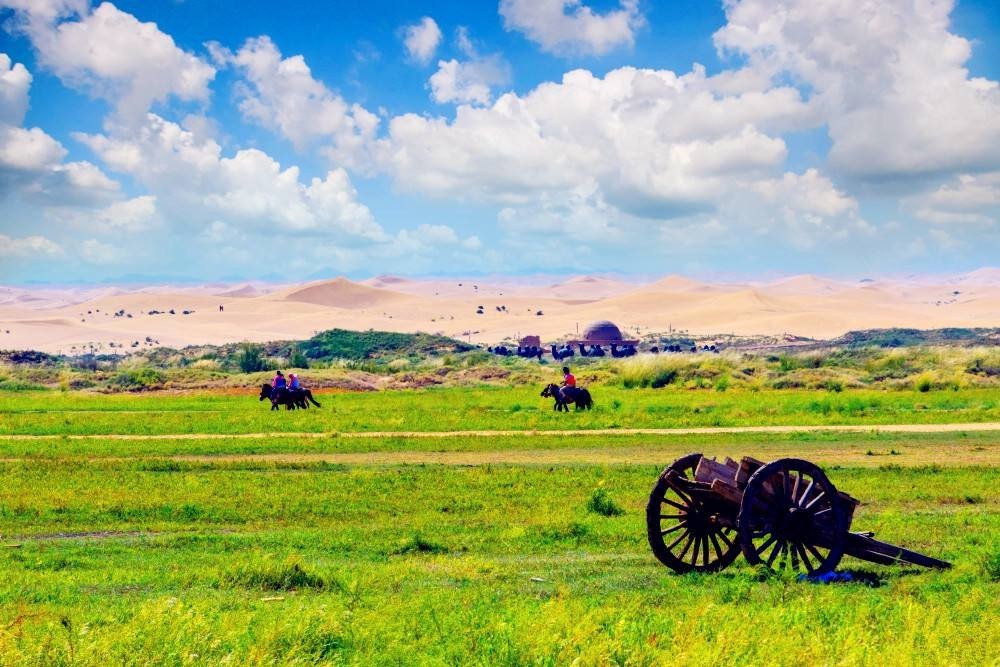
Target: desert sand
75, 319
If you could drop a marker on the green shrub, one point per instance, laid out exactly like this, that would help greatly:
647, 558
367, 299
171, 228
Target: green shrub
251, 358
722, 383
297, 359
600, 503
19, 385
133, 380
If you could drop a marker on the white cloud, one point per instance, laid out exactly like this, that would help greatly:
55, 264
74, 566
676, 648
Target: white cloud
969, 199
888, 78
27, 247
131, 215
111, 54
468, 81
96, 252
29, 150
571, 27
283, 95
31, 161
656, 144
422, 39
15, 80
805, 208
250, 188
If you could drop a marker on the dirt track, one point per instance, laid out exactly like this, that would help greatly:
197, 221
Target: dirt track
843, 428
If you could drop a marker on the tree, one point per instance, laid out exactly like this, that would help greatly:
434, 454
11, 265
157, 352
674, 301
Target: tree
251, 358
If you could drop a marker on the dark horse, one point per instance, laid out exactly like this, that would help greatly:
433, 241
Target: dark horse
566, 395
290, 398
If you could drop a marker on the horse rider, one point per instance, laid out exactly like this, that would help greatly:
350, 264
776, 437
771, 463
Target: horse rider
293, 382
568, 386
278, 385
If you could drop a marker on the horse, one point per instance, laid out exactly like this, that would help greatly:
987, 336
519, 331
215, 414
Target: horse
290, 398
565, 395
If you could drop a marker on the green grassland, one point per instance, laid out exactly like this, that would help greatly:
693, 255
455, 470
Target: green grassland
471, 549
484, 408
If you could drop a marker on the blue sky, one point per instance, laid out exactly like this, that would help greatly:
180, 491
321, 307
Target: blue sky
230, 140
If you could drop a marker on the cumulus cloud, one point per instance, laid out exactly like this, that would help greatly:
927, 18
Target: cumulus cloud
657, 144
249, 187
15, 80
131, 215
31, 161
422, 39
571, 27
969, 199
806, 207
888, 79
28, 247
111, 54
29, 150
468, 81
282, 95
96, 252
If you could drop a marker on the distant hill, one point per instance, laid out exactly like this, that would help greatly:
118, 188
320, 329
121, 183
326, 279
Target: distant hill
905, 337
344, 344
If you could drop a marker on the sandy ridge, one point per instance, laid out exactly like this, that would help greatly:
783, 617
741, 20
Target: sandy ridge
708, 430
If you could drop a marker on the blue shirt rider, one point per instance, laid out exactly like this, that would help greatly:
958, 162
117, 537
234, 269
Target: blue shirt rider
293, 381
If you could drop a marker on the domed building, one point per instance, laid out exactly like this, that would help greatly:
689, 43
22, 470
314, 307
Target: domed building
603, 333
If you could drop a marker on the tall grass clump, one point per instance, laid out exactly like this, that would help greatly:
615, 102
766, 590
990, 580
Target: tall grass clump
991, 565
649, 371
601, 503
268, 575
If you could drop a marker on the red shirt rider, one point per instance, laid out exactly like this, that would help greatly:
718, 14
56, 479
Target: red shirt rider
568, 379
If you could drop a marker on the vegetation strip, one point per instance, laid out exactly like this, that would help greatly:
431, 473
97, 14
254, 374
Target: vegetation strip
848, 428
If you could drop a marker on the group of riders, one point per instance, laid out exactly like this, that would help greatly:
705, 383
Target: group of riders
279, 383
290, 392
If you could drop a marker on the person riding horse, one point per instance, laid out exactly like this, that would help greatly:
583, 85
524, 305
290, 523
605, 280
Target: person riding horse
279, 385
568, 386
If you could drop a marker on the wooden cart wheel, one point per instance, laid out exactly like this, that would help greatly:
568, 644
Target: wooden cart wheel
683, 534
791, 517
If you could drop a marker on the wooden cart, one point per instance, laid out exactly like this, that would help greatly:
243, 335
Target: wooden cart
786, 514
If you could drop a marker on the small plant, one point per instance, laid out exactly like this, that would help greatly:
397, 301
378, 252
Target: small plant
418, 544
600, 503
722, 383
991, 566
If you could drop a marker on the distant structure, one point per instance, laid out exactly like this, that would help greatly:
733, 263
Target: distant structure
603, 334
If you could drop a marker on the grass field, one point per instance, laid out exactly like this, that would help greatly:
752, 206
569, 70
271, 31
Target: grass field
470, 549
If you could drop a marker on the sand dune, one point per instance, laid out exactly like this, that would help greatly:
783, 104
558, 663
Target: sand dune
342, 293
64, 319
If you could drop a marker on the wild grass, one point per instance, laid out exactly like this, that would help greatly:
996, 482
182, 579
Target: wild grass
527, 548
497, 564
484, 408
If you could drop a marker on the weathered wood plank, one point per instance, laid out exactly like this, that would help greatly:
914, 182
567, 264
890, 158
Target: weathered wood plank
727, 492
709, 470
748, 466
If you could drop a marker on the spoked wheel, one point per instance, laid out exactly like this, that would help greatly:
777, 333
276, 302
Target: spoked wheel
792, 518
684, 531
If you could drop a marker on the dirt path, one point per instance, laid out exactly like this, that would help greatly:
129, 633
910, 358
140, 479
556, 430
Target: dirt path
708, 430
958, 454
